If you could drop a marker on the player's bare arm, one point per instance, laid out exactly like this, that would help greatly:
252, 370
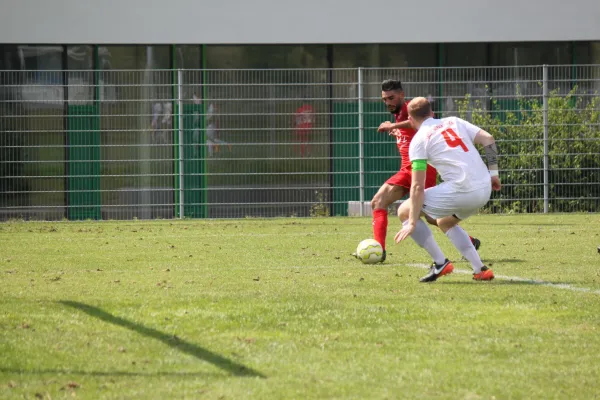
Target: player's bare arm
417, 197
388, 126
488, 142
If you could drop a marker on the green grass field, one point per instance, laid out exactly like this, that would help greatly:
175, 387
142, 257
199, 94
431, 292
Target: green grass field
278, 309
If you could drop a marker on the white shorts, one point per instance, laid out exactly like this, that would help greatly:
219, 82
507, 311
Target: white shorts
443, 200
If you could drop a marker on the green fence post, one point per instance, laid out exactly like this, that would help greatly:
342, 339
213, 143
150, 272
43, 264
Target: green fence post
174, 90
345, 154
83, 154
84, 162
204, 180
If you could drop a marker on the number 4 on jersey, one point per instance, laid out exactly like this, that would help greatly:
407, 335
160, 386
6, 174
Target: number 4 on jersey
453, 139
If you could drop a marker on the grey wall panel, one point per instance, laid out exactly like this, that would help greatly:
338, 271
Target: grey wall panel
296, 21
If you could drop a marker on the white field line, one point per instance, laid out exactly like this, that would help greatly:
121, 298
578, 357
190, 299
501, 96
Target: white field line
563, 286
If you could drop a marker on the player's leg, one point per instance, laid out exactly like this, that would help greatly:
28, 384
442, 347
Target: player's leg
303, 146
463, 243
431, 181
476, 242
219, 142
431, 221
301, 136
387, 194
210, 145
449, 208
423, 236
297, 143
306, 143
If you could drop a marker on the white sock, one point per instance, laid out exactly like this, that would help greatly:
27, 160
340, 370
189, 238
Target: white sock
461, 241
423, 237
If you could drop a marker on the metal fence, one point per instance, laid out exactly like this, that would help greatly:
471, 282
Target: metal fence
122, 144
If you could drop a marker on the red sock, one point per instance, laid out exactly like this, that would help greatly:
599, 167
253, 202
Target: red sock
380, 223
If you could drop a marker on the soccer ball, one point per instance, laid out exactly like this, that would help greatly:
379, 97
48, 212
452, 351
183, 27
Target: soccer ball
369, 251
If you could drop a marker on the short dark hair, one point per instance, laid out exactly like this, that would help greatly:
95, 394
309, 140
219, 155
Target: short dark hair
391, 84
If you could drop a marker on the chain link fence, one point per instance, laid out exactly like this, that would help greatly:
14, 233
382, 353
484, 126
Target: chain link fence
123, 144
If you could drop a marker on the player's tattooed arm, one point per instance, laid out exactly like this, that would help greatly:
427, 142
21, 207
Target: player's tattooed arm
486, 140
491, 153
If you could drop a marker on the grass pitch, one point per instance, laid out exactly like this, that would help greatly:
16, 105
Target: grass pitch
278, 309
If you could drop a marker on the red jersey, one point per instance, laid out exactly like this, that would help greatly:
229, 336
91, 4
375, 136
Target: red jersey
406, 135
304, 119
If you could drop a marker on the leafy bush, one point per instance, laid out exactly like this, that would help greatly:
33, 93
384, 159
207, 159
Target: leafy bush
573, 151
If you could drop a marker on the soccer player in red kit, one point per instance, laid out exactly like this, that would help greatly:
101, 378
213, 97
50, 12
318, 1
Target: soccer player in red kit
398, 185
305, 118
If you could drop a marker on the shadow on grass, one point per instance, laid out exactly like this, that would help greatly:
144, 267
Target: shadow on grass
212, 375
173, 341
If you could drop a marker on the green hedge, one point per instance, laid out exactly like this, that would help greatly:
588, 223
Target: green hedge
573, 144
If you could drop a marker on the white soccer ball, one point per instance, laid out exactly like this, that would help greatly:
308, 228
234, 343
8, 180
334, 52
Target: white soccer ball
369, 251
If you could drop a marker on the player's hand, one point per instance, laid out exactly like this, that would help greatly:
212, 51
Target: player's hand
395, 132
405, 232
385, 127
496, 185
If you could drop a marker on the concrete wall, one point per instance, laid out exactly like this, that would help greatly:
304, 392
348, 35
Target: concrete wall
287, 21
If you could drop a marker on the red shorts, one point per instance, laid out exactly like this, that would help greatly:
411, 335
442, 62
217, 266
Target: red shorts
404, 178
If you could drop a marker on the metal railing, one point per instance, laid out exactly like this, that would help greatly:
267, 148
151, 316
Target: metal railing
121, 144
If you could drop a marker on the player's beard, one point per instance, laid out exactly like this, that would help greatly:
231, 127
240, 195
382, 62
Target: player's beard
396, 110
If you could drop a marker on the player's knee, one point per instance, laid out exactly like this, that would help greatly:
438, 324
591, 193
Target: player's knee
431, 221
377, 202
445, 224
403, 213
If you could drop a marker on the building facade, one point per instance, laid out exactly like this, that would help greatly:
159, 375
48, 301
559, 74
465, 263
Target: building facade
109, 109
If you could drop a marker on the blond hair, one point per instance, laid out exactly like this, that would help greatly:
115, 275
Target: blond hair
419, 108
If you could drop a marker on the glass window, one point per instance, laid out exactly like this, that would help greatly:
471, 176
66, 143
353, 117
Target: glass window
274, 118
524, 54
80, 57
595, 52
384, 55
388, 59
15, 192
456, 83
353, 56
45, 59
465, 54
136, 107
408, 55
188, 57
586, 53
582, 52
266, 56
9, 58
80, 63
530, 53
32, 121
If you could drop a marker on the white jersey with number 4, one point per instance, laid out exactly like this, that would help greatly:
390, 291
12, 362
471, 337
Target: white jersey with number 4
447, 145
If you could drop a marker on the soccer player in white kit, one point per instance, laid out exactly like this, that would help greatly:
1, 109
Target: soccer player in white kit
447, 144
